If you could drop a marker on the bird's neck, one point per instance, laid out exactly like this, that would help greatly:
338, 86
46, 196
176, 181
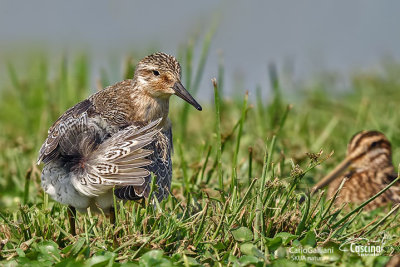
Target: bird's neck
147, 108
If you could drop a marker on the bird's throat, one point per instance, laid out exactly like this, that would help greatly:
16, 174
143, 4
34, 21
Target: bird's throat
147, 109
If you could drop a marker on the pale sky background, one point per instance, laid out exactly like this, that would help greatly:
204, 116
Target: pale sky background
340, 35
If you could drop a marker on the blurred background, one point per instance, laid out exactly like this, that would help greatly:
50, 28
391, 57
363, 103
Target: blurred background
303, 38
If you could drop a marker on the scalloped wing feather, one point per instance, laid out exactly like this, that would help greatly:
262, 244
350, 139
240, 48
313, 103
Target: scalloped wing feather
118, 161
73, 121
161, 167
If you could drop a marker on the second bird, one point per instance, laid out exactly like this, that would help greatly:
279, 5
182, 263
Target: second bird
369, 169
115, 138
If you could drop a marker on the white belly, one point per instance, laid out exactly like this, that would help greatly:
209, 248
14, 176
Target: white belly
56, 182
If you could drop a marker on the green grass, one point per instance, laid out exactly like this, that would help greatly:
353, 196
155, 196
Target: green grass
241, 167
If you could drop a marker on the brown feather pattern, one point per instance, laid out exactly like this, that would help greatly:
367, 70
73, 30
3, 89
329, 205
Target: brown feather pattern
370, 171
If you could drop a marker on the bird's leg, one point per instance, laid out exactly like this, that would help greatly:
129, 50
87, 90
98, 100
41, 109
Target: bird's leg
72, 218
112, 221
143, 202
112, 215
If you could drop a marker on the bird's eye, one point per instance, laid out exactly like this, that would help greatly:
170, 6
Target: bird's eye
374, 144
155, 72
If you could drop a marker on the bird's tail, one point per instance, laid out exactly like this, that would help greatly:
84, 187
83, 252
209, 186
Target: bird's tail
117, 161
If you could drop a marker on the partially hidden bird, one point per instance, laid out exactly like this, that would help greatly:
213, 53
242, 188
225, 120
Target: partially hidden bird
117, 138
368, 168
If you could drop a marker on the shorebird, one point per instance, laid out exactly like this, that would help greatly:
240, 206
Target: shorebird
115, 139
368, 167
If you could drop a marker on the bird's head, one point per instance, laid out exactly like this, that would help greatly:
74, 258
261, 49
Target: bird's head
159, 75
366, 149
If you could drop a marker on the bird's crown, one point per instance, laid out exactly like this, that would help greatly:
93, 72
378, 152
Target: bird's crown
160, 62
365, 141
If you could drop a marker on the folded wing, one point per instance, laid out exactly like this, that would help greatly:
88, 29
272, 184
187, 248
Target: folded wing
118, 161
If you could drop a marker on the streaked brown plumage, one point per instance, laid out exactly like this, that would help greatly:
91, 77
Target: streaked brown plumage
115, 138
368, 167
394, 261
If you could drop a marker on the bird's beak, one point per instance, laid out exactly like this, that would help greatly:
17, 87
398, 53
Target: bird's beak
332, 175
184, 94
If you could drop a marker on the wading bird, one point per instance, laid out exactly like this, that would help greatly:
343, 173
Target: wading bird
115, 138
368, 167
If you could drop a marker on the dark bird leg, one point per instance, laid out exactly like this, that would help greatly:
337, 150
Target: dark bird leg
112, 215
143, 202
112, 221
72, 218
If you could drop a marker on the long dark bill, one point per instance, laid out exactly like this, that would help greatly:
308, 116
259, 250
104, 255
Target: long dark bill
335, 173
184, 94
